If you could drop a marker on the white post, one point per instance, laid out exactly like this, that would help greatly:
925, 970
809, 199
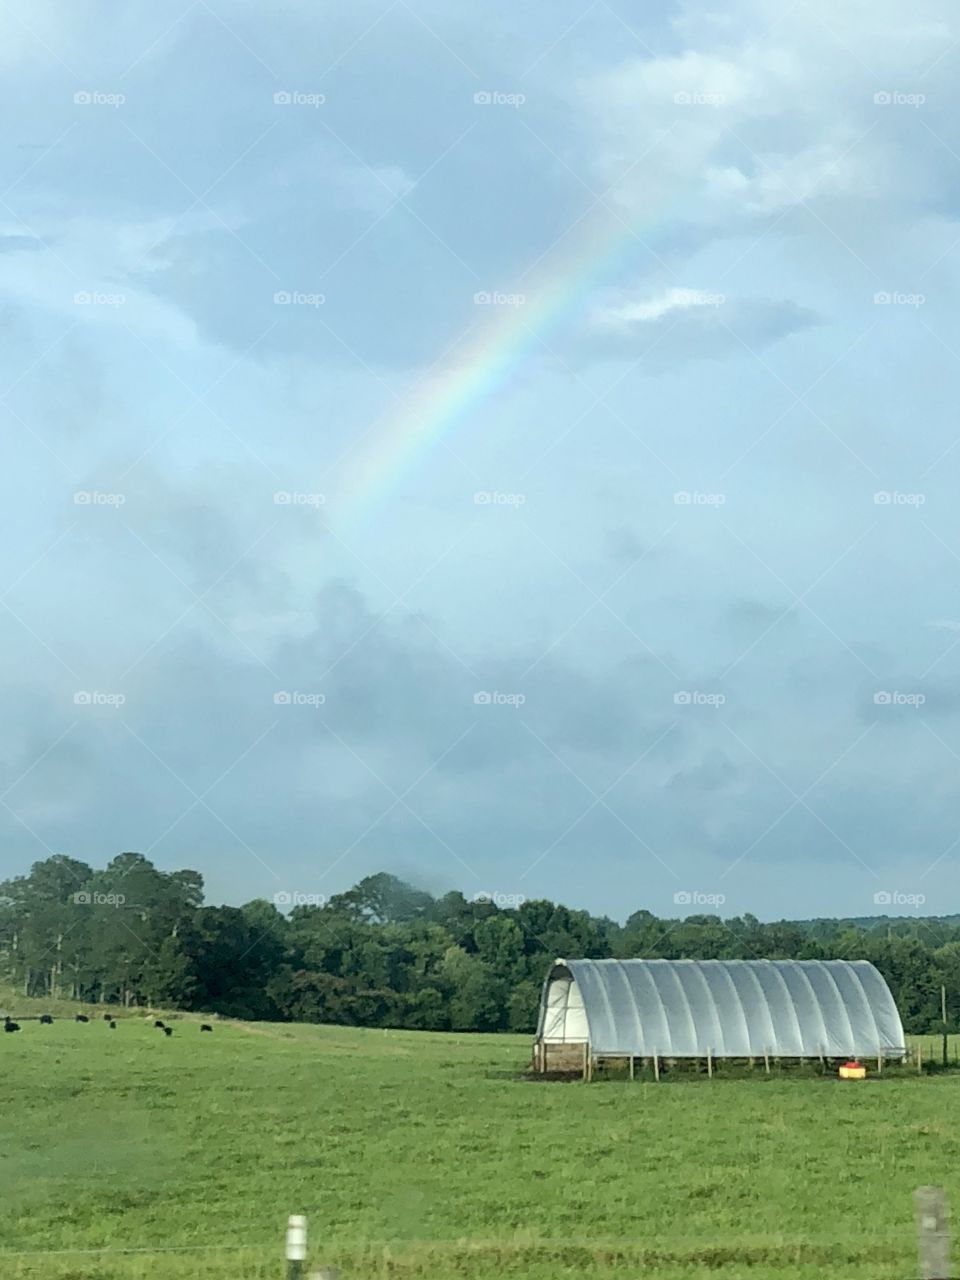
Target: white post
296, 1245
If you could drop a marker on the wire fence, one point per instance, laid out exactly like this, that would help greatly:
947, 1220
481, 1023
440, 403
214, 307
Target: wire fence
866, 1256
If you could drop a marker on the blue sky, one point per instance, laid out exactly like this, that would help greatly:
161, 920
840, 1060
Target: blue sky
713, 595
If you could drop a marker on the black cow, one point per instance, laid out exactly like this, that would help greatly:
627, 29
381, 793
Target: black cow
168, 1031
108, 1017
46, 1020
205, 1027
159, 1024
9, 1025
82, 1017
113, 1026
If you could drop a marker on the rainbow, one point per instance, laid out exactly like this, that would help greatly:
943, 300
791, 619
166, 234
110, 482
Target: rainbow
483, 363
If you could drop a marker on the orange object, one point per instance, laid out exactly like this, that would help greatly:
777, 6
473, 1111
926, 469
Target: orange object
853, 1071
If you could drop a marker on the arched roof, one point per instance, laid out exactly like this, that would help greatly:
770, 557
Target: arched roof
729, 1008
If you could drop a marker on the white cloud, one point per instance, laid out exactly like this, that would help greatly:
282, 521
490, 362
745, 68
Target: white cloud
625, 316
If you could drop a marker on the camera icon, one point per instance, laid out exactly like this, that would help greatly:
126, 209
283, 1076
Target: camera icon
682, 99
881, 299
482, 699
282, 298
83, 898
882, 99
682, 898
283, 98
282, 698
82, 498
282, 899
282, 499
682, 499
883, 898
483, 98
481, 299
82, 699
481, 499
882, 499
82, 98
882, 699
682, 698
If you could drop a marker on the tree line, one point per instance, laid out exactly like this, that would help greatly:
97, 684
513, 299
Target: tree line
386, 954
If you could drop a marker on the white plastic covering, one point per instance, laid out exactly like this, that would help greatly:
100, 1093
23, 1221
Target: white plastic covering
729, 1008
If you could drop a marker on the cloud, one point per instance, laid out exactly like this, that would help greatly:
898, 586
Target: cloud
680, 324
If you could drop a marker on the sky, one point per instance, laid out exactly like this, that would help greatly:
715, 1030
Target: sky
514, 447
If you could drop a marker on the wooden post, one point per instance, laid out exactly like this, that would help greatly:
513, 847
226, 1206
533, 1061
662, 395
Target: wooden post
296, 1245
943, 1014
766, 1061
591, 1062
919, 1060
879, 1064
631, 1066
586, 1061
656, 1067
710, 1064
933, 1233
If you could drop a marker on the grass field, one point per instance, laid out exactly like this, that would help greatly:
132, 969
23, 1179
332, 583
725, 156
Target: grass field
426, 1155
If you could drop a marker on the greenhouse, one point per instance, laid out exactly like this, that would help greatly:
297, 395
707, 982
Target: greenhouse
714, 1009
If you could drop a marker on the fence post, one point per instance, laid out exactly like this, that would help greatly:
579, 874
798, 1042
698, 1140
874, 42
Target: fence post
933, 1233
296, 1245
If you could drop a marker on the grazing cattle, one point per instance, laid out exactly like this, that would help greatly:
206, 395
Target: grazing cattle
9, 1025
108, 1017
113, 1026
46, 1020
205, 1027
159, 1024
168, 1031
82, 1017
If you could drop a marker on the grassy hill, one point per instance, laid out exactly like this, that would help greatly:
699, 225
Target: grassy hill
128, 1156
